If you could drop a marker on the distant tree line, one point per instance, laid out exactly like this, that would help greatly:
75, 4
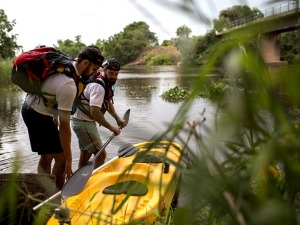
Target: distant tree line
197, 50
135, 37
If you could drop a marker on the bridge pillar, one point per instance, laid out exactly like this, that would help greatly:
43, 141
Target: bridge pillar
269, 46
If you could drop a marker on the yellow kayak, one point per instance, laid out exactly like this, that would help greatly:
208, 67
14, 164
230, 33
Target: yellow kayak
137, 189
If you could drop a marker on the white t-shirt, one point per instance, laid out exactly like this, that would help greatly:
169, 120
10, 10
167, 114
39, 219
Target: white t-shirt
94, 93
62, 90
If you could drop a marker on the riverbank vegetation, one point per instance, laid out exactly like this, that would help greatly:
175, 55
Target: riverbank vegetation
214, 90
245, 168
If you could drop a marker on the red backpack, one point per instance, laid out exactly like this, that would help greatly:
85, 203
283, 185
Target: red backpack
30, 68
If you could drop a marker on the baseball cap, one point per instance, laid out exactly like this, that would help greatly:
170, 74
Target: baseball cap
112, 64
93, 54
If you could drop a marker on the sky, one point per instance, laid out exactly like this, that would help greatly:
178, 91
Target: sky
46, 21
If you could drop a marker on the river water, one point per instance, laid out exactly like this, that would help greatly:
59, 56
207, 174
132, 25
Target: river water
137, 89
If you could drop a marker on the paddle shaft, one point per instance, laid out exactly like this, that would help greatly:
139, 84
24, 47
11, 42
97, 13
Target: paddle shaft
103, 147
46, 201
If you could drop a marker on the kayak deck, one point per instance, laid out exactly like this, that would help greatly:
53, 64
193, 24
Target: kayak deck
137, 188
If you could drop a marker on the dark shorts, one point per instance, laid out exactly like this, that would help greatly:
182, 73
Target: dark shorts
43, 133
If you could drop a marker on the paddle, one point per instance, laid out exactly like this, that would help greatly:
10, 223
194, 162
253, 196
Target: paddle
124, 151
80, 177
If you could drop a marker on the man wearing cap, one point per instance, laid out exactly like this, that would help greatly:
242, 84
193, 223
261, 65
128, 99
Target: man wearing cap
48, 117
96, 99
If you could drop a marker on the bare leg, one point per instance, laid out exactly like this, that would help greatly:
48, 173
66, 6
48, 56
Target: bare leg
44, 165
84, 158
59, 169
101, 159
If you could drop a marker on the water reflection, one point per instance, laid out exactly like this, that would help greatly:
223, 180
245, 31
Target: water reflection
138, 89
12, 129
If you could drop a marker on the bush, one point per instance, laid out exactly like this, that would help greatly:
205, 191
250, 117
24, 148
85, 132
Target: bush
158, 60
175, 94
215, 91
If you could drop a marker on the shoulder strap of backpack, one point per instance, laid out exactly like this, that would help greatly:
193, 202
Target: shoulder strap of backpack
109, 92
69, 71
101, 82
78, 103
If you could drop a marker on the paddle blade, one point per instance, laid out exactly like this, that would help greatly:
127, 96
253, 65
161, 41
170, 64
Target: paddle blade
126, 117
77, 181
127, 150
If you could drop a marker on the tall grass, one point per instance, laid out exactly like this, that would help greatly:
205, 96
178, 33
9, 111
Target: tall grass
249, 168
5, 68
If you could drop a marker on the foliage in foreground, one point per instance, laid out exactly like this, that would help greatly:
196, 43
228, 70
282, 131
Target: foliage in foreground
248, 166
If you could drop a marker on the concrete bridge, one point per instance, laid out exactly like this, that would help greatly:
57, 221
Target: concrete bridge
266, 28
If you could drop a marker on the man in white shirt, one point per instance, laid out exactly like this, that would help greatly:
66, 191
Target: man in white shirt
48, 117
96, 99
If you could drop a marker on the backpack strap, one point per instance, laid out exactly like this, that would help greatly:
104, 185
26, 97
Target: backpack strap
102, 83
109, 92
78, 104
69, 71
108, 95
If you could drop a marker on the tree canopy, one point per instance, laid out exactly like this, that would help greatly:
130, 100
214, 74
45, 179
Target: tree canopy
234, 13
126, 45
203, 46
183, 31
8, 41
289, 47
70, 47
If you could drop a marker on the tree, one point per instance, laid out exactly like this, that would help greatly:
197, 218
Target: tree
126, 45
183, 32
289, 47
70, 47
8, 43
234, 13
203, 46
185, 44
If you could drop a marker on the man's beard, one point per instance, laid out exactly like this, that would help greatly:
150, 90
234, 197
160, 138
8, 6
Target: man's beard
85, 74
112, 81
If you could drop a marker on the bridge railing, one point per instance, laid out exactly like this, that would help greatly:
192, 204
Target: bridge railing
282, 8
242, 21
288, 6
